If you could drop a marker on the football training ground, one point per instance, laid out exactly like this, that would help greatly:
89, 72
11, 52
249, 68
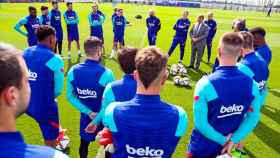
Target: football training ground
264, 142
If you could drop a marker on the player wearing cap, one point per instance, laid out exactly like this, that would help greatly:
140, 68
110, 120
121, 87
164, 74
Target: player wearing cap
146, 126
85, 85
46, 80
224, 114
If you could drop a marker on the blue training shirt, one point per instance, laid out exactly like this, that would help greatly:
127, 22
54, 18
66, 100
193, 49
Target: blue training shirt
31, 24
182, 28
265, 52
55, 17
114, 92
46, 76
45, 20
13, 146
85, 85
212, 24
72, 20
145, 127
153, 24
95, 21
256, 68
119, 24
225, 102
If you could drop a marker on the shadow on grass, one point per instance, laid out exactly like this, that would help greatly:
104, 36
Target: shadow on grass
249, 153
70, 64
269, 136
195, 75
272, 113
275, 92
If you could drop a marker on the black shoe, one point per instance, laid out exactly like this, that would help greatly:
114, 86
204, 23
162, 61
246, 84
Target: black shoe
191, 67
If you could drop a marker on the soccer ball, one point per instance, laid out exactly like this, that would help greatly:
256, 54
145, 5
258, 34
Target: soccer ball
180, 66
224, 156
173, 70
183, 71
176, 80
184, 81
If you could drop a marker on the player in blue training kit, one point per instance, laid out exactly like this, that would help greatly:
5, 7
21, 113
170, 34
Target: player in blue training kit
261, 47
153, 24
224, 114
114, 91
46, 80
119, 24
96, 19
31, 23
72, 20
13, 84
146, 126
181, 27
45, 18
212, 24
85, 85
55, 17
254, 66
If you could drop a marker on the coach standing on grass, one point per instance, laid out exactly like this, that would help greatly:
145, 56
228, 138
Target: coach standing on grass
146, 123
96, 21
224, 113
14, 99
199, 34
153, 25
46, 78
212, 24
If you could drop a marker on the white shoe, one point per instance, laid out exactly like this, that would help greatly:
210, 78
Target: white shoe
69, 57
112, 55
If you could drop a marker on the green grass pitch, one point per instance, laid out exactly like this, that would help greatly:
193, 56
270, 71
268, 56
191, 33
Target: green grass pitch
264, 142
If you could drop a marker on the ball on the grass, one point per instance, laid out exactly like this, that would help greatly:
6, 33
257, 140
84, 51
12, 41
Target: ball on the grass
183, 71
184, 81
180, 66
176, 80
173, 70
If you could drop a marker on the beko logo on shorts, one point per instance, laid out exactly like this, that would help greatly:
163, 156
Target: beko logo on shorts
146, 152
32, 75
230, 110
86, 93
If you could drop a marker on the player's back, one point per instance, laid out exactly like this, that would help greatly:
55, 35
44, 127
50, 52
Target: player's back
265, 52
90, 79
229, 94
145, 127
41, 79
255, 67
124, 89
13, 146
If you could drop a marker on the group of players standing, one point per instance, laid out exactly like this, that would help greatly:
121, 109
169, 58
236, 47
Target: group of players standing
200, 37
227, 103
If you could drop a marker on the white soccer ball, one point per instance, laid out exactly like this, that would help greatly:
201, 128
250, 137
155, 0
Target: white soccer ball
184, 81
224, 156
180, 66
173, 70
176, 80
183, 71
